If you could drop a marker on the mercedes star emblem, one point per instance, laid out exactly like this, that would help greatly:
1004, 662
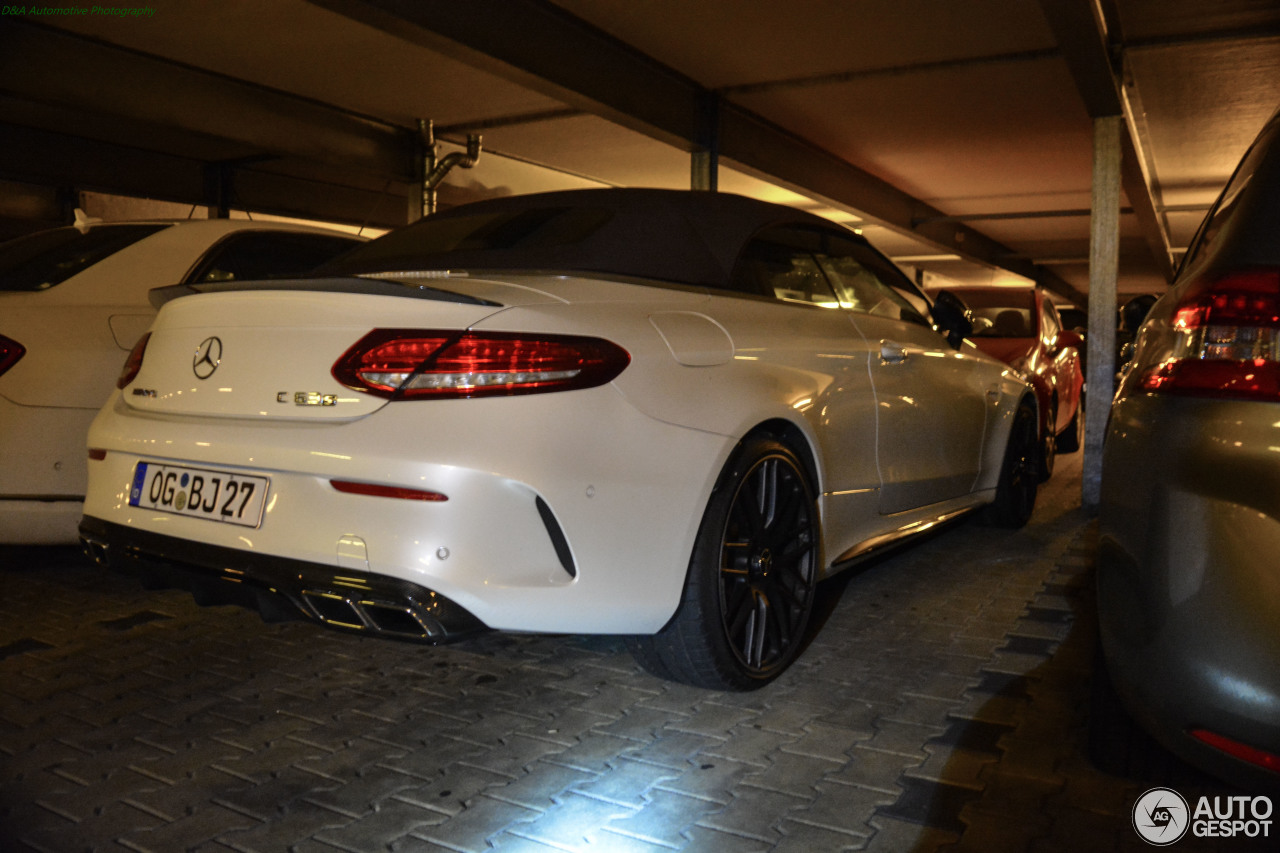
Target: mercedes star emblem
208, 357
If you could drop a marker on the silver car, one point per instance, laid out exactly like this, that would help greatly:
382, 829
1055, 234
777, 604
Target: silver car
1188, 575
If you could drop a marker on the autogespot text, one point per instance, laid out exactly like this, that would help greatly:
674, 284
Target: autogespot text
1231, 817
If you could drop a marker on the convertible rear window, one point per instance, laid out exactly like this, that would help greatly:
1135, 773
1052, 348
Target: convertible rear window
497, 237
268, 254
42, 260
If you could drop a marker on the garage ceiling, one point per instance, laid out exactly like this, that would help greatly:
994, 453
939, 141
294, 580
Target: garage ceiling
956, 133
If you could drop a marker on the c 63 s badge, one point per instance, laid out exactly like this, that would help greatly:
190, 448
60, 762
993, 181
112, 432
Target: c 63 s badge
308, 398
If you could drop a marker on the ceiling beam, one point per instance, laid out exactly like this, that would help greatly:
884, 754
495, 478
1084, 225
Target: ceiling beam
135, 98
544, 48
1082, 36
56, 159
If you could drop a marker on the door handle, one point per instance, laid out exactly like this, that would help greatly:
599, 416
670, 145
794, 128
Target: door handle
892, 353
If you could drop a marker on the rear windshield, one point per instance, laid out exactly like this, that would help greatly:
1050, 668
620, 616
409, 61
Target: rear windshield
1001, 313
48, 258
1218, 222
503, 239
257, 255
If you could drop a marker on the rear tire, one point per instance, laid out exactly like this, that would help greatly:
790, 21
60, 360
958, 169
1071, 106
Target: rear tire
751, 583
1019, 473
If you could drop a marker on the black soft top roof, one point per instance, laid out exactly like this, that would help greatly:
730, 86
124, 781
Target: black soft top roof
686, 237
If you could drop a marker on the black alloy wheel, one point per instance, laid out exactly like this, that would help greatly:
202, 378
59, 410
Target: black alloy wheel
1049, 443
752, 577
1019, 472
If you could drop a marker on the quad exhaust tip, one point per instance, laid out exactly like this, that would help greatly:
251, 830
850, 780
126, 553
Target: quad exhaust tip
394, 620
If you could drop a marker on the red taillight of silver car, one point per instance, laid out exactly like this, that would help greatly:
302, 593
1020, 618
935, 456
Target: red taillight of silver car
10, 352
1226, 341
1244, 752
412, 364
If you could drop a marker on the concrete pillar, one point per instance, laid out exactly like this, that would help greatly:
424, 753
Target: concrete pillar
704, 164
702, 174
1104, 267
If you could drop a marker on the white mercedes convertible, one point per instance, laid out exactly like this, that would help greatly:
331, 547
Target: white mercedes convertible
651, 413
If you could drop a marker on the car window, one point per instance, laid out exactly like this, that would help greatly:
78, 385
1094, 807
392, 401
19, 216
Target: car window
1001, 312
866, 281
785, 272
827, 269
268, 254
1220, 216
47, 258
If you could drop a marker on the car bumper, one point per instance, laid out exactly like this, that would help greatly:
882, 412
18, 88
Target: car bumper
277, 587
1188, 581
42, 473
39, 521
552, 522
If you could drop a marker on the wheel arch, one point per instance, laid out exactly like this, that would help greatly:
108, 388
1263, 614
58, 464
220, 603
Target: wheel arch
1031, 398
703, 642
788, 433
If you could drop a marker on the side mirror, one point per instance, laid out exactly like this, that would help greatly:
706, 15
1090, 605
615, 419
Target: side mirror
952, 317
1069, 338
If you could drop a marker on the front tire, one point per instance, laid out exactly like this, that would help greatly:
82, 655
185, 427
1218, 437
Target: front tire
752, 576
1049, 443
1019, 472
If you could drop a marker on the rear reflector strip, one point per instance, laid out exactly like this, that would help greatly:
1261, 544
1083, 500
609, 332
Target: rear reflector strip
1253, 755
378, 491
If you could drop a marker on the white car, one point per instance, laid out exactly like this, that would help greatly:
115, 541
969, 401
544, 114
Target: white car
651, 413
73, 302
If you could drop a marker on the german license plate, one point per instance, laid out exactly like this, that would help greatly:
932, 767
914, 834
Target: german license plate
224, 496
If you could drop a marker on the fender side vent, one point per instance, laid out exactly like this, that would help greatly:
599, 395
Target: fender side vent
558, 540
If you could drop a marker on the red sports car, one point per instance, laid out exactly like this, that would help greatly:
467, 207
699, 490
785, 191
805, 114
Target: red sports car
1020, 326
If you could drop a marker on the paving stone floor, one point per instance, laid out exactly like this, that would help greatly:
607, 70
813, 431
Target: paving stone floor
941, 706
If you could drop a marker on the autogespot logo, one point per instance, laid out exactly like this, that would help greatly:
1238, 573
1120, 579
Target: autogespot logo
1160, 816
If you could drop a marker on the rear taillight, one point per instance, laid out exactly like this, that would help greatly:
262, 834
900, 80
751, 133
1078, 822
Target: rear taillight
1226, 341
10, 352
134, 363
420, 364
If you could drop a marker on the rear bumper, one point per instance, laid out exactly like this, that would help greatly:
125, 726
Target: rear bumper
279, 588
42, 472
553, 522
39, 521
1188, 585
